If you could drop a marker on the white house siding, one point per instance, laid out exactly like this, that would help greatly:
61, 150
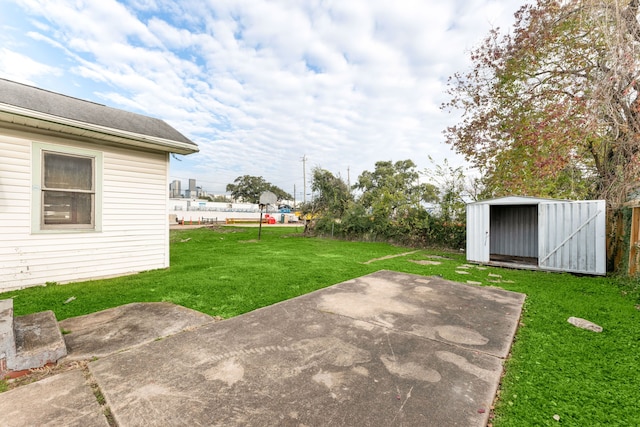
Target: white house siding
134, 235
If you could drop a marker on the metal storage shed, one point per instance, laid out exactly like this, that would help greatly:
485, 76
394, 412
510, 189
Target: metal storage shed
545, 234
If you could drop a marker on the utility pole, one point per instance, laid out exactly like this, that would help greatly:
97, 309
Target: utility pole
348, 179
294, 196
304, 178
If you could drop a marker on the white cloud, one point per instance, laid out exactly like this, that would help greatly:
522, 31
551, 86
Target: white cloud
258, 84
20, 68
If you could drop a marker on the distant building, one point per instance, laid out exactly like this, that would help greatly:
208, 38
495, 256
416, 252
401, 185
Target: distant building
192, 191
174, 189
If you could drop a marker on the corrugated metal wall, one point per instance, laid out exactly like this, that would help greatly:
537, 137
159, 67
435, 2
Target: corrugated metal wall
514, 230
478, 232
563, 235
573, 236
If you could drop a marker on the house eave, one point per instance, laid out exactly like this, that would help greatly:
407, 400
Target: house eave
34, 119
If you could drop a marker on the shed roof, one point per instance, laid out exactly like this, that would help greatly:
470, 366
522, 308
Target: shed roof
38, 108
516, 200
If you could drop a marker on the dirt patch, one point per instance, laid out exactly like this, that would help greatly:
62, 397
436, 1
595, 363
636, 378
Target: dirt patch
425, 262
389, 257
436, 257
37, 374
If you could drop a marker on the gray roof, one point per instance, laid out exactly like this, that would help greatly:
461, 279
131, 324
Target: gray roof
517, 200
67, 107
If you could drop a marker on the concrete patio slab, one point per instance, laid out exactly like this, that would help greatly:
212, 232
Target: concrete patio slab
476, 318
381, 350
386, 349
61, 400
116, 329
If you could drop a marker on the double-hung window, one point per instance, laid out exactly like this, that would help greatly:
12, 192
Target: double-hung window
66, 190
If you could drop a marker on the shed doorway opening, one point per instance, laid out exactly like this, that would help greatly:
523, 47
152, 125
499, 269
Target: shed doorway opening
513, 231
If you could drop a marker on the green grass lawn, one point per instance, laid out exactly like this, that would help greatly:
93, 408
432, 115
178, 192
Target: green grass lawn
585, 378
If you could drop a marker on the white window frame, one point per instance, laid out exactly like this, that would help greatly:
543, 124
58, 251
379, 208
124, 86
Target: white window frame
37, 211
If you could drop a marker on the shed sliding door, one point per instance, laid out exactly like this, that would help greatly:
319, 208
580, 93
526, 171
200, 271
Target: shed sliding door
572, 236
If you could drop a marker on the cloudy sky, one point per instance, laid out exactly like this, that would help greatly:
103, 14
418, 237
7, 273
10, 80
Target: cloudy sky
257, 84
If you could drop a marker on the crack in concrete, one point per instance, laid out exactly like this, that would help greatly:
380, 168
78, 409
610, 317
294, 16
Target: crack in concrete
97, 392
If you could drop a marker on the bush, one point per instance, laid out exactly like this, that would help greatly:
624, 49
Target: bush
416, 227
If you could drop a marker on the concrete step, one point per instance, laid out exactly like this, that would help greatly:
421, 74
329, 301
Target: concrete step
28, 342
38, 341
7, 337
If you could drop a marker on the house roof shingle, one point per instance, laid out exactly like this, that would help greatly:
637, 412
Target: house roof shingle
86, 112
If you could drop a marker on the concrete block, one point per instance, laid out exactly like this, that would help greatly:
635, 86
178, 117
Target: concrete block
7, 338
584, 324
38, 341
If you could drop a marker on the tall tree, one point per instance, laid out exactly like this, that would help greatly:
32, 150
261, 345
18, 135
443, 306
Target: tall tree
552, 109
451, 189
331, 194
393, 188
249, 188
